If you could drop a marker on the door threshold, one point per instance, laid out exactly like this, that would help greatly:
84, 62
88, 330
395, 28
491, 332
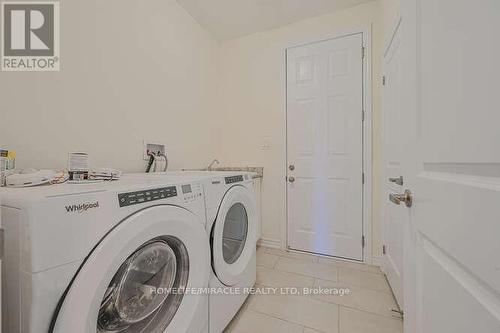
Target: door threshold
325, 256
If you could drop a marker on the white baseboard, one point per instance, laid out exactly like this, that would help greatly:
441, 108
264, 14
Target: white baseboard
377, 261
270, 242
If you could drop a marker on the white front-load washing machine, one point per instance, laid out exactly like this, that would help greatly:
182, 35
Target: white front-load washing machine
232, 229
124, 256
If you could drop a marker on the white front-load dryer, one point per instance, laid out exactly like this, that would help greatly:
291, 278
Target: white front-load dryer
124, 256
232, 226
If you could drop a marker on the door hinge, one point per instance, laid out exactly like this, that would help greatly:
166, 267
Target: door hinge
383, 249
363, 52
363, 177
2, 243
383, 80
363, 241
362, 115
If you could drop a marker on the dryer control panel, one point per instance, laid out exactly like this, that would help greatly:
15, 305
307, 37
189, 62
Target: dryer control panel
233, 179
139, 197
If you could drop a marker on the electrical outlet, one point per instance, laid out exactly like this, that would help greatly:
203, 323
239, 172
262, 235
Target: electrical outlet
152, 147
265, 143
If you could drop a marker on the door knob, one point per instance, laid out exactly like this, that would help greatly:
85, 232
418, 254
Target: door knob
291, 179
291, 167
406, 197
397, 180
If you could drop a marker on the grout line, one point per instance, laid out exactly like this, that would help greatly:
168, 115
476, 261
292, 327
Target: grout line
276, 262
276, 317
309, 276
386, 291
342, 262
286, 320
338, 316
369, 312
358, 309
336, 265
347, 264
392, 292
314, 329
337, 276
319, 299
339, 306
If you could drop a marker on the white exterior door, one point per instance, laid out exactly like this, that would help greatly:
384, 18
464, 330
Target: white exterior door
452, 248
325, 147
394, 217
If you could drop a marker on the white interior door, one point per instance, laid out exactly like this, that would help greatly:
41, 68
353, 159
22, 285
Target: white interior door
394, 218
453, 165
325, 147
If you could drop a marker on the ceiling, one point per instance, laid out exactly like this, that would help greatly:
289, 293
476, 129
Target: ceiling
227, 19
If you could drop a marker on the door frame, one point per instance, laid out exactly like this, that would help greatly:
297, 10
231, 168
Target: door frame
395, 28
366, 33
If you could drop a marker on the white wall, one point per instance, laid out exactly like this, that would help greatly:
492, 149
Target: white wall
133, 70
252, 97
390, 15
130, 70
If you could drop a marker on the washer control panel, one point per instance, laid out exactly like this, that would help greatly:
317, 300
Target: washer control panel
234, 179
191, 192
139, 197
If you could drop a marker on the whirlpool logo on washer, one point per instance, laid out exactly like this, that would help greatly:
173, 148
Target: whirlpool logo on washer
30, 36
80, 208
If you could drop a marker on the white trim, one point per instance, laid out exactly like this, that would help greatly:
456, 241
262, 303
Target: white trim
284, 224
270, 242
377, 261
367, 146
382, 259
344, 33
367, 136
390, 38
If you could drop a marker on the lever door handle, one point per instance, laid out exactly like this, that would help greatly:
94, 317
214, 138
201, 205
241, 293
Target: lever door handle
397, 180
406, 197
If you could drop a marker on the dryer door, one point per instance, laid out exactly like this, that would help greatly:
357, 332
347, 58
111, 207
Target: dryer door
131, 281
233, 235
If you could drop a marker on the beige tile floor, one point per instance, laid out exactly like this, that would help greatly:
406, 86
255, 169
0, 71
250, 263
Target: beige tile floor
366, 309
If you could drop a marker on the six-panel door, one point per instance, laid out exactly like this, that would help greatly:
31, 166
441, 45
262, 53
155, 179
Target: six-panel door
325, 147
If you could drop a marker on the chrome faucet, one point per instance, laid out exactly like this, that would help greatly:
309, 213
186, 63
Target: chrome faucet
215, 161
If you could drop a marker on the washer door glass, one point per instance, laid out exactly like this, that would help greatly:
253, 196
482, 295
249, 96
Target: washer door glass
235, 232
139, 297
